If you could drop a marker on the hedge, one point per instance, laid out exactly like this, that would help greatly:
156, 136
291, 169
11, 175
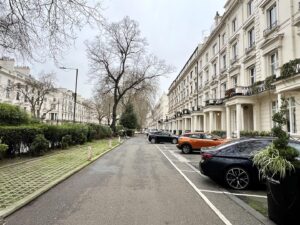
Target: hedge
12, 115
20, 138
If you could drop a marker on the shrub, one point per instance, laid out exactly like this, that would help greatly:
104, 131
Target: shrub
39, 146
3, 149
12, 115
220, 133
129, 132
15, 136
66, 141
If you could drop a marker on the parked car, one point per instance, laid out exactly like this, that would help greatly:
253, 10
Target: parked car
150, 131
197, 140
232, 162
158, 137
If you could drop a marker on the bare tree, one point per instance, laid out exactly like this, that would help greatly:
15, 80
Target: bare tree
142, 100
46, 25
102, 103
120, 61
35, 92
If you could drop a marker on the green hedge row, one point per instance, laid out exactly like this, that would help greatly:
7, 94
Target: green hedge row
20, 138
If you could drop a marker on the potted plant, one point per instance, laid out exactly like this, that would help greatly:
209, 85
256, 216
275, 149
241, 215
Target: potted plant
278, 165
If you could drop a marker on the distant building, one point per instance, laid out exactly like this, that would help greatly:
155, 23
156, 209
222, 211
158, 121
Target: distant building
156, 119
57, 107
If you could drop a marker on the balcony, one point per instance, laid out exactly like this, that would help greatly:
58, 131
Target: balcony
238, 90
234, 59
256, 88
271, 28
290, 69
197, 108
250, 48
213, 101
223, 70
186, 112
178, 114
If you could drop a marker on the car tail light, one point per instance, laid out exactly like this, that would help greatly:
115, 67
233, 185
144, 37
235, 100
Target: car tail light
206, 156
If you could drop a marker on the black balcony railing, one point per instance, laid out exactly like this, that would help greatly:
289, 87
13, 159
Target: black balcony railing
197, 108
186, 111
209, 102
256, 88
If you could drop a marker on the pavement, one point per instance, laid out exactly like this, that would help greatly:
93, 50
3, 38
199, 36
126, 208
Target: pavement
139, 183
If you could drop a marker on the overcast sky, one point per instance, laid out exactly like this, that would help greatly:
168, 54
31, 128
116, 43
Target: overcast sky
173, 28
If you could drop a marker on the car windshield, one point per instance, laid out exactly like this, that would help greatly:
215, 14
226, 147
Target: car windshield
295, 145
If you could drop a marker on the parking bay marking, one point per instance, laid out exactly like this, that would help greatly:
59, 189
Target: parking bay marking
207, 201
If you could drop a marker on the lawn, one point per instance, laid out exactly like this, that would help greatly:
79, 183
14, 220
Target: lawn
19, 180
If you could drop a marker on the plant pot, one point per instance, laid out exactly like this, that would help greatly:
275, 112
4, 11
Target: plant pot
284, 199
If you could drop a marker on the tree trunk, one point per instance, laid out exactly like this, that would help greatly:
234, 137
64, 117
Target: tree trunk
114, 118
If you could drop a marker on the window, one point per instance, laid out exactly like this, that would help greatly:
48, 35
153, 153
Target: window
234, 25
234, 52
223, 39
272, 16
224, 61
8, 88
291, 116
250, 7
251, 38
223, 90
214, 49
252, 75
234, 81
200, 63
214, 93
18, 96
206, 75
206, 57
273, 63
215, 69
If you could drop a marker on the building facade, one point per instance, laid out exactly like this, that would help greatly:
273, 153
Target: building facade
158, 117
235, 79
57, 107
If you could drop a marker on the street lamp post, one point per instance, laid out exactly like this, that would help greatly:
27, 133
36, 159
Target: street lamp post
75, 94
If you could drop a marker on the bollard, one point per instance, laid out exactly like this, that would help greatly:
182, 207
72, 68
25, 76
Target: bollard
90, 154
109, 142
119, 139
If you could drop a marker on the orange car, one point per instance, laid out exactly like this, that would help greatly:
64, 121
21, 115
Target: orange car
195, 141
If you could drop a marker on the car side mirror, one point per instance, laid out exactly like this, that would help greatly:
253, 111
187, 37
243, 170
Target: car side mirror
215, 139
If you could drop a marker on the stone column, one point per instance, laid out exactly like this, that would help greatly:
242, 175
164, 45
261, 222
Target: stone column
228, 128
223, 120
192, 123
211, 121
256, 117
238, 119
204, 123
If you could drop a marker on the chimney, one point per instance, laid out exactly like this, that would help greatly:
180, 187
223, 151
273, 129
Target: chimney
217, 18
23, 69
7, 63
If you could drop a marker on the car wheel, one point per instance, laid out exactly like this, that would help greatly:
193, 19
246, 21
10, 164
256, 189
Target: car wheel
174, 141
186, 149
153, 141
237, 178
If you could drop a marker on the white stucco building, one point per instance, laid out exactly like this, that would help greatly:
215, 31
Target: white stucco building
57, 107
157, 119
234, 80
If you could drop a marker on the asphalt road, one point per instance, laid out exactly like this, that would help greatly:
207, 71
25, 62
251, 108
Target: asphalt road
136, 183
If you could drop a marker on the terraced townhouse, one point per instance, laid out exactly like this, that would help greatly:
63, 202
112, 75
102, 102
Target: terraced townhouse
235, 79
58, 106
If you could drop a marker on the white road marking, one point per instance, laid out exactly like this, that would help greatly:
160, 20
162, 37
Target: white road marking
179, 157
212, 191
189, 171
207, 201
231, 193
